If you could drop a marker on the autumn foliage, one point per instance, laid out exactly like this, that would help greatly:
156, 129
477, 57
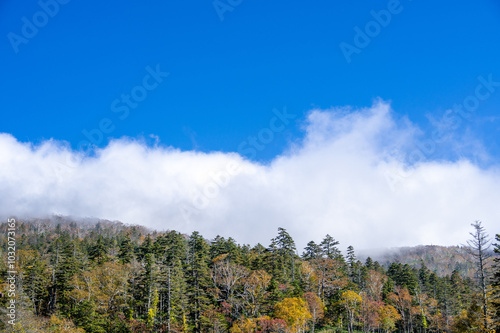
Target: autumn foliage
108, 277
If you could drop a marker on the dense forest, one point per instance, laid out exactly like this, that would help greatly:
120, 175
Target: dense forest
109, 277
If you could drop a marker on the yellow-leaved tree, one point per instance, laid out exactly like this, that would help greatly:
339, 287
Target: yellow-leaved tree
106, 285
351, 302
295, 312
388, 317
243, 325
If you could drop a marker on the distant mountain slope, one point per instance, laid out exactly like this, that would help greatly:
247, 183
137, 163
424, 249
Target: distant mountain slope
440, 259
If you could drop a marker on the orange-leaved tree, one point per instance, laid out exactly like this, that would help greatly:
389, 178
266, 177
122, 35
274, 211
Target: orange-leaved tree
316, 307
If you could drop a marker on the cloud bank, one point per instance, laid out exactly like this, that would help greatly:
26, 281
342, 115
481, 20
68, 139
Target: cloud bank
355, 175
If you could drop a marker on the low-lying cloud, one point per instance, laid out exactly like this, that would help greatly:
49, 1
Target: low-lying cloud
350, 177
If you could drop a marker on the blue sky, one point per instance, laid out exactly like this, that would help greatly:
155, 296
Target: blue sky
234, 68
227, 76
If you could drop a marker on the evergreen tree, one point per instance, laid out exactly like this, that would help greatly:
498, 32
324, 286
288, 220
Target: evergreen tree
66, 262
352, 265
222, 246
496, 285
311, 251
198, 279
148, 282
377, 267
126, 250
145, 248
170, 251
175, 248
404, 276
283, 243
479, 245
256, 257
144, 282
387, 288
283, 247
329, 248
36, 281
424, 279
173, 298
369, 263
351, 256
97, 252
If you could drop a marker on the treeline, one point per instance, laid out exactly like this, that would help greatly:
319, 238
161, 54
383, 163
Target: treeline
108, 277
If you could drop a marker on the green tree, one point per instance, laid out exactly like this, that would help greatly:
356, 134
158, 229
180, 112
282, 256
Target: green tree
496, 285
354, 266
311, 251
174, 249
97, 251
222, 246
35, 284
479, 245
145, 248
126, 250
369, 263
66, 262
329, 248
198, 279
457, 291
283, 247
174, 304
404, 276
387, 288
171, 253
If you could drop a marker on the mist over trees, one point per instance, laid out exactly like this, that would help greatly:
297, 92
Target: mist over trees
109, 277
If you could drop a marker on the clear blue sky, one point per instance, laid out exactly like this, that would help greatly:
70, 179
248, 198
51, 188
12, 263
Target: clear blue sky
226, 76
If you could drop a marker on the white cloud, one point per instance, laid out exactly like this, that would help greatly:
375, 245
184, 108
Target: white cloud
347, 178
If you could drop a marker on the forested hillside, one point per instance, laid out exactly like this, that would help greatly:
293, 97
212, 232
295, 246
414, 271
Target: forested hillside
442, 260
109, 277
